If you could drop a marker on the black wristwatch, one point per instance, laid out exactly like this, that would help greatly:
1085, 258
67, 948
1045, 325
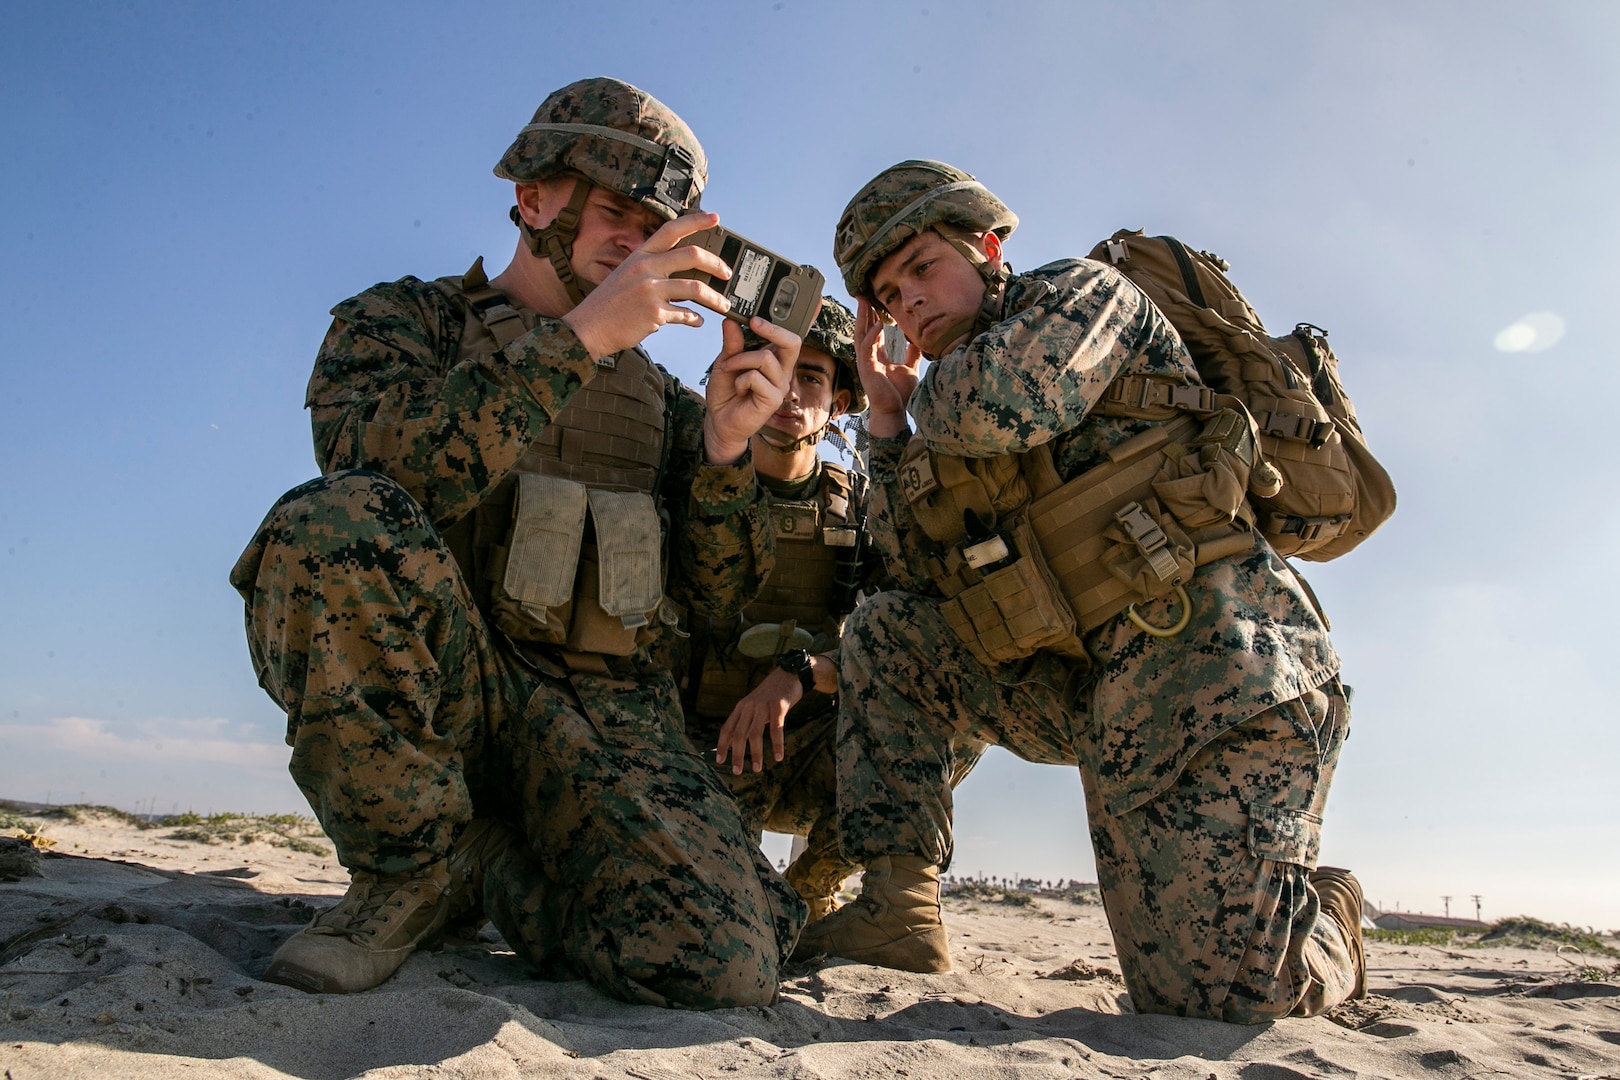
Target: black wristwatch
797, 662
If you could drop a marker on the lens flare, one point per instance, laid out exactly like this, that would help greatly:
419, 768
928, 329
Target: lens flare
1535, 332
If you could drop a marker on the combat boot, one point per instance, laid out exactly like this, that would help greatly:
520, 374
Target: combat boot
479, 844
364, 939
1340, 894
382, 919
894, 923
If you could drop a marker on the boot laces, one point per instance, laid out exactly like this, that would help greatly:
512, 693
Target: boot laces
375, 901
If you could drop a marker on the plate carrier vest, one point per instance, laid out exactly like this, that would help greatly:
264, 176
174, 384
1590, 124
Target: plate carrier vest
1027, 561
811, 588
569, 549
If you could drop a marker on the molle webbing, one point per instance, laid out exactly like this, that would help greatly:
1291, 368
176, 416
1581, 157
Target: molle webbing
569, 546
812, 537
801, 584
1071, 522
1332, 492
1129, 529
611, 433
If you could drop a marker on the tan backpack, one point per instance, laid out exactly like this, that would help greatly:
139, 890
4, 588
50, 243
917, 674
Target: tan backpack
1334, 493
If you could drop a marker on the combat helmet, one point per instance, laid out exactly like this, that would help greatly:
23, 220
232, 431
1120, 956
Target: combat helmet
616, 137
905, 200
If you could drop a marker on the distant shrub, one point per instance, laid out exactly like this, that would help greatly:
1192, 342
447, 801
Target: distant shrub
1529, 933
989, 893
1428, 935
290, 831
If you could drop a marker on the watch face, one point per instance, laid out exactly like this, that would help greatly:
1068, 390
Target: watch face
793, 661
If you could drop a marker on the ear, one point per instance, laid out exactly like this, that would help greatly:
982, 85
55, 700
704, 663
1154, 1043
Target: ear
992, 250
537, 203
839, 406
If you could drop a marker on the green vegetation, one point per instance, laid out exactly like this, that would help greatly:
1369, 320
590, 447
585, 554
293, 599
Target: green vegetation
289, 831
11, 819
1528, 933
1520, 931
984, 890
77, 812
1076, 893
1428, 935
1593, 973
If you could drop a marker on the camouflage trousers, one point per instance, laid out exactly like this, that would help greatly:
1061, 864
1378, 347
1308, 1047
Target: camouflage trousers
408, 717
1204, 885
799, 794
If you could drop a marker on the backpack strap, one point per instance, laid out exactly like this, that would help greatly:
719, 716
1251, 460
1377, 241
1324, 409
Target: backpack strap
1189, 276
1152, 397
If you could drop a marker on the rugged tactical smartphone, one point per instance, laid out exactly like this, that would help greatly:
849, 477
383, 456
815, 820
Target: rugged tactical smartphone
762, 282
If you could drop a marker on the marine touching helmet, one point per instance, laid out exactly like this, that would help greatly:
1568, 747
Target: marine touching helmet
615, 136
903, 201
833, 333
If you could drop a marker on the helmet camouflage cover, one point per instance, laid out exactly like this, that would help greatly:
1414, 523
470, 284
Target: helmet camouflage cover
903, 201
832, 333
617, 137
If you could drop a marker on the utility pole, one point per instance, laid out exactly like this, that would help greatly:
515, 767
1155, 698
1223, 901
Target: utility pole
1476, 908
1446, 900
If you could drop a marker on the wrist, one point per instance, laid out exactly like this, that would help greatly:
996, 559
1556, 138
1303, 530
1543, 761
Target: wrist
718, 449
825, 672
886, 425
797, 662
585, 330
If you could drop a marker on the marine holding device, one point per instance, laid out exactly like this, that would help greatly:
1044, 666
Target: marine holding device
762, 282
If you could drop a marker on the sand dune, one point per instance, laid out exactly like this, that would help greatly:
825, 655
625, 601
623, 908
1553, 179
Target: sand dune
133, 955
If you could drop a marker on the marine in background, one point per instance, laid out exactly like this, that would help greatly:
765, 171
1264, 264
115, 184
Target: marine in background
1083, 584
456, 616
770, 674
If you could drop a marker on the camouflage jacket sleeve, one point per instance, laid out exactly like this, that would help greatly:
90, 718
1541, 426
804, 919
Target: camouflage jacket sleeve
894, 531
391, 392
875, 573
721, 543
1069, 328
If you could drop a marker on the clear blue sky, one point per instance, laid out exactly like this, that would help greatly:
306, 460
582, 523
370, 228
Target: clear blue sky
188, 188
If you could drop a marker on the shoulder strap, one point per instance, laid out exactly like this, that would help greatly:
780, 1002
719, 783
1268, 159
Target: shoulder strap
837, 493
491, 306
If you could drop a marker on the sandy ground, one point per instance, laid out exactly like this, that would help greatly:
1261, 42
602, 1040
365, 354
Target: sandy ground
134, 955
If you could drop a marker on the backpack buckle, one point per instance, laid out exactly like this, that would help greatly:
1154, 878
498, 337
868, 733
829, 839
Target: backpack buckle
1198, 399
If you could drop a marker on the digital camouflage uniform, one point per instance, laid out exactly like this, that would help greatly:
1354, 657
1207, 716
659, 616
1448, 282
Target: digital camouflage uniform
797, 795
1206, 757
409, 712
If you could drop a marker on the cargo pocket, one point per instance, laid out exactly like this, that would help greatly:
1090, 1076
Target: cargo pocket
633, 715
1284, 835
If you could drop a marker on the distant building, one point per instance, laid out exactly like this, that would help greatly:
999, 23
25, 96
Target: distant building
1411, 920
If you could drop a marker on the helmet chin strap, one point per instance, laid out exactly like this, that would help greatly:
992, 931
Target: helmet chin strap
555, 242
781, 444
